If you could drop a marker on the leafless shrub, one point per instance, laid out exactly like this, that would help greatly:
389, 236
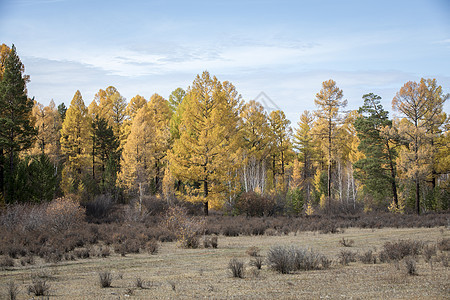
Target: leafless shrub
346, 242
368, 257
428, 252
236, 267
402, 248
346, 257
152, 246
39, 286
257, 262
280, 259
253, 251
105, 279
64, 213
271, 232
444, 244
6, 262
27, 260
104, 251
12, 290
82, 253
186, 228
410, 265
139, 283
214, 242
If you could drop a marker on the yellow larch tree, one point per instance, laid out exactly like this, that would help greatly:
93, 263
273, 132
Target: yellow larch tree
256, 150
137, 159
75, 144
203, 155
48, 124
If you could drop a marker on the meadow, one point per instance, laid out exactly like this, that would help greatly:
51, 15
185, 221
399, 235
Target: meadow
173, 272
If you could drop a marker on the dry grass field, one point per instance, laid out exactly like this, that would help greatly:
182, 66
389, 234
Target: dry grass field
177, 273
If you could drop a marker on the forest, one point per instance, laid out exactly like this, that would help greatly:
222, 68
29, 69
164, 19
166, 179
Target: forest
206, 145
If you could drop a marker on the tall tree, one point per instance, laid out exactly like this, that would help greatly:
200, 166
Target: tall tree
137, 158
280, 147
329, 101
160, 114
75, 143
104, 145
203, 153
303, 142
48, 124
256, 140
377, 170
16, 129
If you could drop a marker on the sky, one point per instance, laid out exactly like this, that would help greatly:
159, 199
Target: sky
283, 49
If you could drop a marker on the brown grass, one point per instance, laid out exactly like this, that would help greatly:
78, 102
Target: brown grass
203, 273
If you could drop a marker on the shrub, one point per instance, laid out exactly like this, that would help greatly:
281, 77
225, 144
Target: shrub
152, 246
139, 283
6, 262
253, 204
214, 242
82, 253
346, 257
271, 232
187, 229
280, 259
309, 260
288, 259
236, 267
402, 248
64, 213
428, 252
257, 262
346, 242
410, 265
39, 286
12, 290
99, 208
104, 252
253, 251
368, 257
231, 230
444, 244
105, 279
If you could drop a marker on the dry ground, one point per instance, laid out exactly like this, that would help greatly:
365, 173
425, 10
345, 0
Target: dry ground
176, 273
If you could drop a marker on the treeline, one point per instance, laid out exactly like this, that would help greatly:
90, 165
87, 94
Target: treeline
206, 145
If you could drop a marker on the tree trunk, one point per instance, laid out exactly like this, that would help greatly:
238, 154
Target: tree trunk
205, 193
2, 173
417, 196
392, 169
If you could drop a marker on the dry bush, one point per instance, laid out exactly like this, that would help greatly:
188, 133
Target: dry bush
253, 251
368, 257
152, 246
139, 283
271, 232
346, 257
236, 267
444, 244
12, 290
105, 279
280, 259
308, 260
214, 242
39, 286
346, 242
6, 262
401, 248
288, 259
187, 229
257, 262
99, 208
410, 265
64, 213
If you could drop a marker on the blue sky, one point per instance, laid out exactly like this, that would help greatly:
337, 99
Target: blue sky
283, 48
